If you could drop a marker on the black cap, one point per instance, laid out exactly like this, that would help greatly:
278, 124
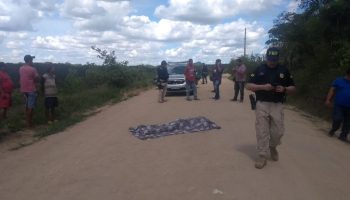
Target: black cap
272, 54
28, 58
163, 62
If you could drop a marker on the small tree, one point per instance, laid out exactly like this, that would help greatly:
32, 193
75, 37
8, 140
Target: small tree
109, 58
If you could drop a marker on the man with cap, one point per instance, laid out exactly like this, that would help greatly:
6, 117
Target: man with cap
29, 79
271, 82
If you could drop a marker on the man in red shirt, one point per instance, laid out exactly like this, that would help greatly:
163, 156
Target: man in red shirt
190, 76
6, 88
29, 79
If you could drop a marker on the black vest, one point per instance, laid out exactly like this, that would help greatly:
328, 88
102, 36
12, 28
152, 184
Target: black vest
275, 76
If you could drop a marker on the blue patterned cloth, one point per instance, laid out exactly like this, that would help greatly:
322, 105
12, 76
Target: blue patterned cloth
179, 126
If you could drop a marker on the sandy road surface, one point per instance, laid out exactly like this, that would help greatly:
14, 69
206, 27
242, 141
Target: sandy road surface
99, 159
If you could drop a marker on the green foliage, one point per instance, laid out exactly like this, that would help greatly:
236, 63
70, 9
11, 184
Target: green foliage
315, 46
250, 62
109, 58
81, 88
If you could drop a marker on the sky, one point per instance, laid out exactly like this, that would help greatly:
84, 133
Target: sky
139, 31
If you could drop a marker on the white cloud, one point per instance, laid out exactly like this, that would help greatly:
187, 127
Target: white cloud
59, 43
110, 25
81, 9
96, 15
148, 41
164, 30
13, 41
47, 5
293, 6
14, 44
211, 11
2, 36
16, 16
226, 40
54, 43
17, 54
175, 53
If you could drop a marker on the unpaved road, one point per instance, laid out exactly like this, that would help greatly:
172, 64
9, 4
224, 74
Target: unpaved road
99, 159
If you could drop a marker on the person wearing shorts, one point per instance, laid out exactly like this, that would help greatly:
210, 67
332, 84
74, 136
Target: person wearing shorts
29, 78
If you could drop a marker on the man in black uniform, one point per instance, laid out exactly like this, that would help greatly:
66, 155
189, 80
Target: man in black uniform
270, 82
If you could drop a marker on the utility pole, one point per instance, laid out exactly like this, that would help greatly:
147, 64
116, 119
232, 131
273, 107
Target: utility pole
245, 41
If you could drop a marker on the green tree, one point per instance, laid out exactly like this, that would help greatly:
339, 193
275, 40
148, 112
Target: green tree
315, 45
109, 58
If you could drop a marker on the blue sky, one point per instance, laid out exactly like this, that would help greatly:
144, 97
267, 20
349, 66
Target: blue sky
140, 31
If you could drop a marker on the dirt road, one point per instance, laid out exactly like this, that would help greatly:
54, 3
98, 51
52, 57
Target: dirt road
99, 159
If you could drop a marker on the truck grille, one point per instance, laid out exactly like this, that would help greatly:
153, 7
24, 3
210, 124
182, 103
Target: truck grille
173, 82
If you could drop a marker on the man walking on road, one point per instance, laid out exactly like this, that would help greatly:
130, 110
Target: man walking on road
270, 82
239, 73
341, 111
190, 76
29, 79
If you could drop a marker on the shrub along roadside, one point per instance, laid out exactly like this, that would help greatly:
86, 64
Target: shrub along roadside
315, 46
83, 89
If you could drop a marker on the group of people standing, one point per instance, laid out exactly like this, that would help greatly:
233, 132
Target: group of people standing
30, 83
270, 82
238, 71
215, 76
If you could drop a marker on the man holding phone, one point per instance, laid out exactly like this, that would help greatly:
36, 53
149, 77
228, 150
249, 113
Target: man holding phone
270, 82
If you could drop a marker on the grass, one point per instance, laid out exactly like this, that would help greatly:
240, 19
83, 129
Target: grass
74, 106
314, 108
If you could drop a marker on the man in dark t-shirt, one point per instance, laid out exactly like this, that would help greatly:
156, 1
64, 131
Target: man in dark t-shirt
270, 82
204, 74
162, 81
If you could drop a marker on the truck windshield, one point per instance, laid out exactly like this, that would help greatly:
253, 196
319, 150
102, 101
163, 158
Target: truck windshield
176, 69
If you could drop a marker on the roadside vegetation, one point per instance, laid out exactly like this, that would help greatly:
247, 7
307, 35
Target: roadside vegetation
316, 48
314, 42
82, 88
